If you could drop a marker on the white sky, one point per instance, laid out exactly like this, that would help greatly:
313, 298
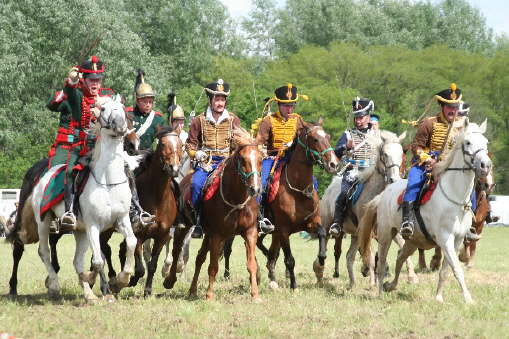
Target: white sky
496, 12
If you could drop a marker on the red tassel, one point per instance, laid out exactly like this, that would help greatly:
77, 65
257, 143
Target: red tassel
94, 59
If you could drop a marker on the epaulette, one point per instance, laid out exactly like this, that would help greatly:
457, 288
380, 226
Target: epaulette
158, 114
129, 109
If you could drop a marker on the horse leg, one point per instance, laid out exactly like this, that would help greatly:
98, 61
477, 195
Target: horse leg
470, 250
139, 268
272, 255
106, 249
147, 251
261, 246
216, 247
319, 263
122, 279
250, 238
422, 261
350, 259
84, 278
289, 259
412, 277
53, 240
165, 270
17, 252
406, 251
227, 250
152, 265
384, 244
436, 260
200, 259
178, 241
451, 257
45, 255
184, 255
337, 253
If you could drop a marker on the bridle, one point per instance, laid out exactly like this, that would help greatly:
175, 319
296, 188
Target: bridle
469, 164
314, 156
386, 167
165, 166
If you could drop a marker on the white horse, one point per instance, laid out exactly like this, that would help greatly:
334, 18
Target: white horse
104, 202
389, 157
447, 215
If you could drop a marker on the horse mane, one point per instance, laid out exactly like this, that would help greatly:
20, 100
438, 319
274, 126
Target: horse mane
163, 131
389, 137
241, 137
445, 163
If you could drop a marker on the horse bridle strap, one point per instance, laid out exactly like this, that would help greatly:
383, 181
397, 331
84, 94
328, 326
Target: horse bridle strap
106, 185
235, 207
306, 191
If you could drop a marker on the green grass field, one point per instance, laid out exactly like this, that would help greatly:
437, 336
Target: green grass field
311, 311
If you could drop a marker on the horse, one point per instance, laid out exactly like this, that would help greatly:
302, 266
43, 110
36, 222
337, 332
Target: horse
388, 153
104, 201
296, 204
231, 211
483, 188
446, 216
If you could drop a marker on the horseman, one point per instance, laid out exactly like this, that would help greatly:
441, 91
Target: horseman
176, 116
277, 132
434, 138
210, 140
146, 122
355, 150
78, 106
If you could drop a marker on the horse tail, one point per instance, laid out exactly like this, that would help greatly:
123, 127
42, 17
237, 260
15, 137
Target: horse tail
29, 181
366, 228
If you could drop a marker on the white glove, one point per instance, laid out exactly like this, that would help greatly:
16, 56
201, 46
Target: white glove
74, 75
200, 156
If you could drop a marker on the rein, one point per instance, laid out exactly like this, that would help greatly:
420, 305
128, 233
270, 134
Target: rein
244, 177
386, 167
106, 185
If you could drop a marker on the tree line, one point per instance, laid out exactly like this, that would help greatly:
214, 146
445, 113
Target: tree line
398, 53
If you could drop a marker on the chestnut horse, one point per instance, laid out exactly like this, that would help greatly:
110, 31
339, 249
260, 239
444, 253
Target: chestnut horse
296, 206
158, 194
233, 210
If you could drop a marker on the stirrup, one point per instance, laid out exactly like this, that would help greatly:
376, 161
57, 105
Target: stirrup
68, 221
407, 229
335, 230
197, 232
265, 226
146, 218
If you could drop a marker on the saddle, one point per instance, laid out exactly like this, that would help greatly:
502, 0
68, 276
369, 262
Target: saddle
424, 195
273, 184
212, 183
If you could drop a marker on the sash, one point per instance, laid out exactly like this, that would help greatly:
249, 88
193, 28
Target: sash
146, 124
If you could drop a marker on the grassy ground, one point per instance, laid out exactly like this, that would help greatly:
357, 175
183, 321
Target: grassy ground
329, 311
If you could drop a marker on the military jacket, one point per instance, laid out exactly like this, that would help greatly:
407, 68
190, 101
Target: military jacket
276, 132
139, 119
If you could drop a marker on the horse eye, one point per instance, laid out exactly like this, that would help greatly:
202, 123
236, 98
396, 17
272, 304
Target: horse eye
316, 140
468, 143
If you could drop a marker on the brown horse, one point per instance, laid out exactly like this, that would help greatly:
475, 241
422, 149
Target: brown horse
483, 189
231, 211
296, 206
158, 194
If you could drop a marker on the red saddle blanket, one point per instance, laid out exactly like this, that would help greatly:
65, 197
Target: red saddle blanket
212, 183
274, 184
425, 197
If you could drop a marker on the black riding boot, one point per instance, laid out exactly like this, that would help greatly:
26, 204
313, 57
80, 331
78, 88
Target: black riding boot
138, 217
407, 224
339, 215
68, 219
198, 230
265, 226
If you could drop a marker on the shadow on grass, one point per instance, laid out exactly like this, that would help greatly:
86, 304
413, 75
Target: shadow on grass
40, 299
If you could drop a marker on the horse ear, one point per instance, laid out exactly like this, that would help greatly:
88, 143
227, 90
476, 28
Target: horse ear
402, 136
484, 126
117, 98
320, 121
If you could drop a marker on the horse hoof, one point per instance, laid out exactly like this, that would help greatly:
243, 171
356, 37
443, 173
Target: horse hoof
413, 280
54, 294
147, 293
335, 275
388, 287
209, 296
165, 270
440, 299
257, 300
109, 298
169, 282
273, 285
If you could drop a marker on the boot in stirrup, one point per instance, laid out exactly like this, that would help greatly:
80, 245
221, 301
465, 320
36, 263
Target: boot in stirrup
339, 217
68, 219
265, 226
407, 224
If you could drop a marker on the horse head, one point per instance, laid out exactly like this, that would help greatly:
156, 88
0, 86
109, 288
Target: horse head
390, 156
169, 150
112, 117
248, 157
316, 143
475, 149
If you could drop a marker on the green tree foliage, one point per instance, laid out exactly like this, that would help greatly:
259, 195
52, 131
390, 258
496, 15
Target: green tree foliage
399, 53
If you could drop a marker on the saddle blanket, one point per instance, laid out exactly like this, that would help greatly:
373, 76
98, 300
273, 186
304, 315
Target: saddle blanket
274, 184
212, 184
425, 197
